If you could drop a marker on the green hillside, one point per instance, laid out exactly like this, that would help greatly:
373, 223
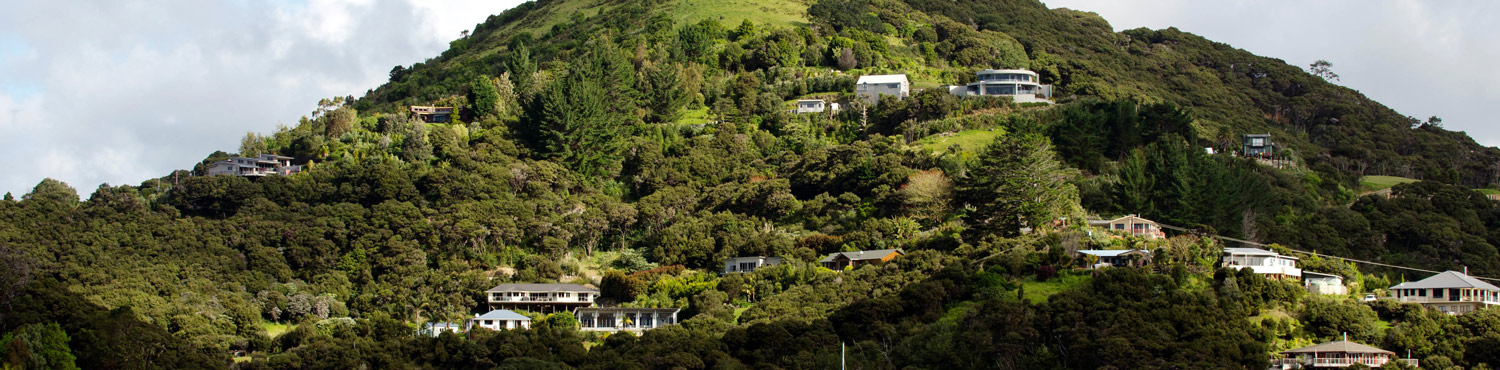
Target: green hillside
634, 146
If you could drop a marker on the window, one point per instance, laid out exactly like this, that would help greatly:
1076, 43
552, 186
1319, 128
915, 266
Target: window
1119, 226
1453, 294
1421, 292
645, 321
1258, 142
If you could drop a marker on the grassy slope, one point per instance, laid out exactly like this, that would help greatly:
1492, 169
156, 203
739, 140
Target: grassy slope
1039, 291
1373, 183
969, 141
730, 13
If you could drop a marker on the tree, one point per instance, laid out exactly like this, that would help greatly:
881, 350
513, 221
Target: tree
37, 346
664, 94
570, 123
484, 97
846, 59
521, 68
252, 145
1017, 182
1324, 69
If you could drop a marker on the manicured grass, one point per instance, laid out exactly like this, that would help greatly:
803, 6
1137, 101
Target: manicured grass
1373, 183
1488, 191
274, 330
730, 13
1039, 291
969, 141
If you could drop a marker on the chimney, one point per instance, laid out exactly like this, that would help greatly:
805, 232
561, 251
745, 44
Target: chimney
1466, 270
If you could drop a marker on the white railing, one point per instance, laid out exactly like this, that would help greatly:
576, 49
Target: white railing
494, 299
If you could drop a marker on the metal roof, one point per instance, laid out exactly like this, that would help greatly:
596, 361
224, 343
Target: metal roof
881, 79
1447, 280
1254, 252
1305, 274
501, 315
442, 325
666, 310
863, 255
1108, 253
754, 258
1342, 346
541, 288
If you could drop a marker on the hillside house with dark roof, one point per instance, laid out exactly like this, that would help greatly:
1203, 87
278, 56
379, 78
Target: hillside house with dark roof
1340, 354
261, 165
1451, 292
431, 114
1131, 225
541, 298
841, 260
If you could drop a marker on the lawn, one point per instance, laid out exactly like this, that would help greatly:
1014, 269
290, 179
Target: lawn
968, 141
1039, 291
691, 117
1488, 191
1373, 183
276, 329
730, 13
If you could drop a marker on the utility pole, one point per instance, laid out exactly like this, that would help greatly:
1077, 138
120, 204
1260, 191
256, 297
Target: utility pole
841, 355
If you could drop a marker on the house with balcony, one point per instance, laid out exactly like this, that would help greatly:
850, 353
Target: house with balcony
842, 260
541, 298
624, 318
749, 264
434, 329
1257, 145
261, 165
1022, 86
1264, 262
1324, 284
871, 87
498, 320
1114, 258
1131, 225
1451, 292
1340, 354
430, 114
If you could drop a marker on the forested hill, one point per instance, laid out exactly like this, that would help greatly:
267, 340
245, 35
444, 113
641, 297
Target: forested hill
635, 145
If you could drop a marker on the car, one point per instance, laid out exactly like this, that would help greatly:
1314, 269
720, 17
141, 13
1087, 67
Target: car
1370, 297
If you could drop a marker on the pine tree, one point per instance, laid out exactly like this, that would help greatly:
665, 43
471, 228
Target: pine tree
571, 123
484, 98
1017, 182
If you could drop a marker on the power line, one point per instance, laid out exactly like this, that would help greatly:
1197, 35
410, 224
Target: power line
1315, 253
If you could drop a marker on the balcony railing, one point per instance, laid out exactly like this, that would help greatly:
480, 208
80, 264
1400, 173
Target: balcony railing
494, 299
1420, 299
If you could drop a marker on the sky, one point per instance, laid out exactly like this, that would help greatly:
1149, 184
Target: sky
1421, 58
120, 91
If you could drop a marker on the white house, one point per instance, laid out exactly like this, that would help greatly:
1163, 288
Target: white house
1452, 292
1324, 284
262, 165
1262, 262
805, 106
499, 319
624, 318
871, 87
1021, 85
541, 298
1122, 257
749, 264
434, 329
1133, 225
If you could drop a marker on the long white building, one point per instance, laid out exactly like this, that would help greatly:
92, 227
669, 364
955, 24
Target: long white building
1264, 262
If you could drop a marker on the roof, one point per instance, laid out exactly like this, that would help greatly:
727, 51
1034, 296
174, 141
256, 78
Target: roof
668, 310
513, 287
431, 325
809, 100
863, 255
1254, 252
1448, 279
1026, 71
1306, 274
1108, 253
1257, 135
501, 315
881, 79
1342, 346
754, 258
1121, 218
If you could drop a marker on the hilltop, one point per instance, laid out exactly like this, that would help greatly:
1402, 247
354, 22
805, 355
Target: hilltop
634, 146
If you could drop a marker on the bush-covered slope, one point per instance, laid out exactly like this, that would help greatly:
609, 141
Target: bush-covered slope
637, 144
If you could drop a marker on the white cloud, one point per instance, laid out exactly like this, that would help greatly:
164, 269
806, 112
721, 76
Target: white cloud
120, 91
1419, 58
